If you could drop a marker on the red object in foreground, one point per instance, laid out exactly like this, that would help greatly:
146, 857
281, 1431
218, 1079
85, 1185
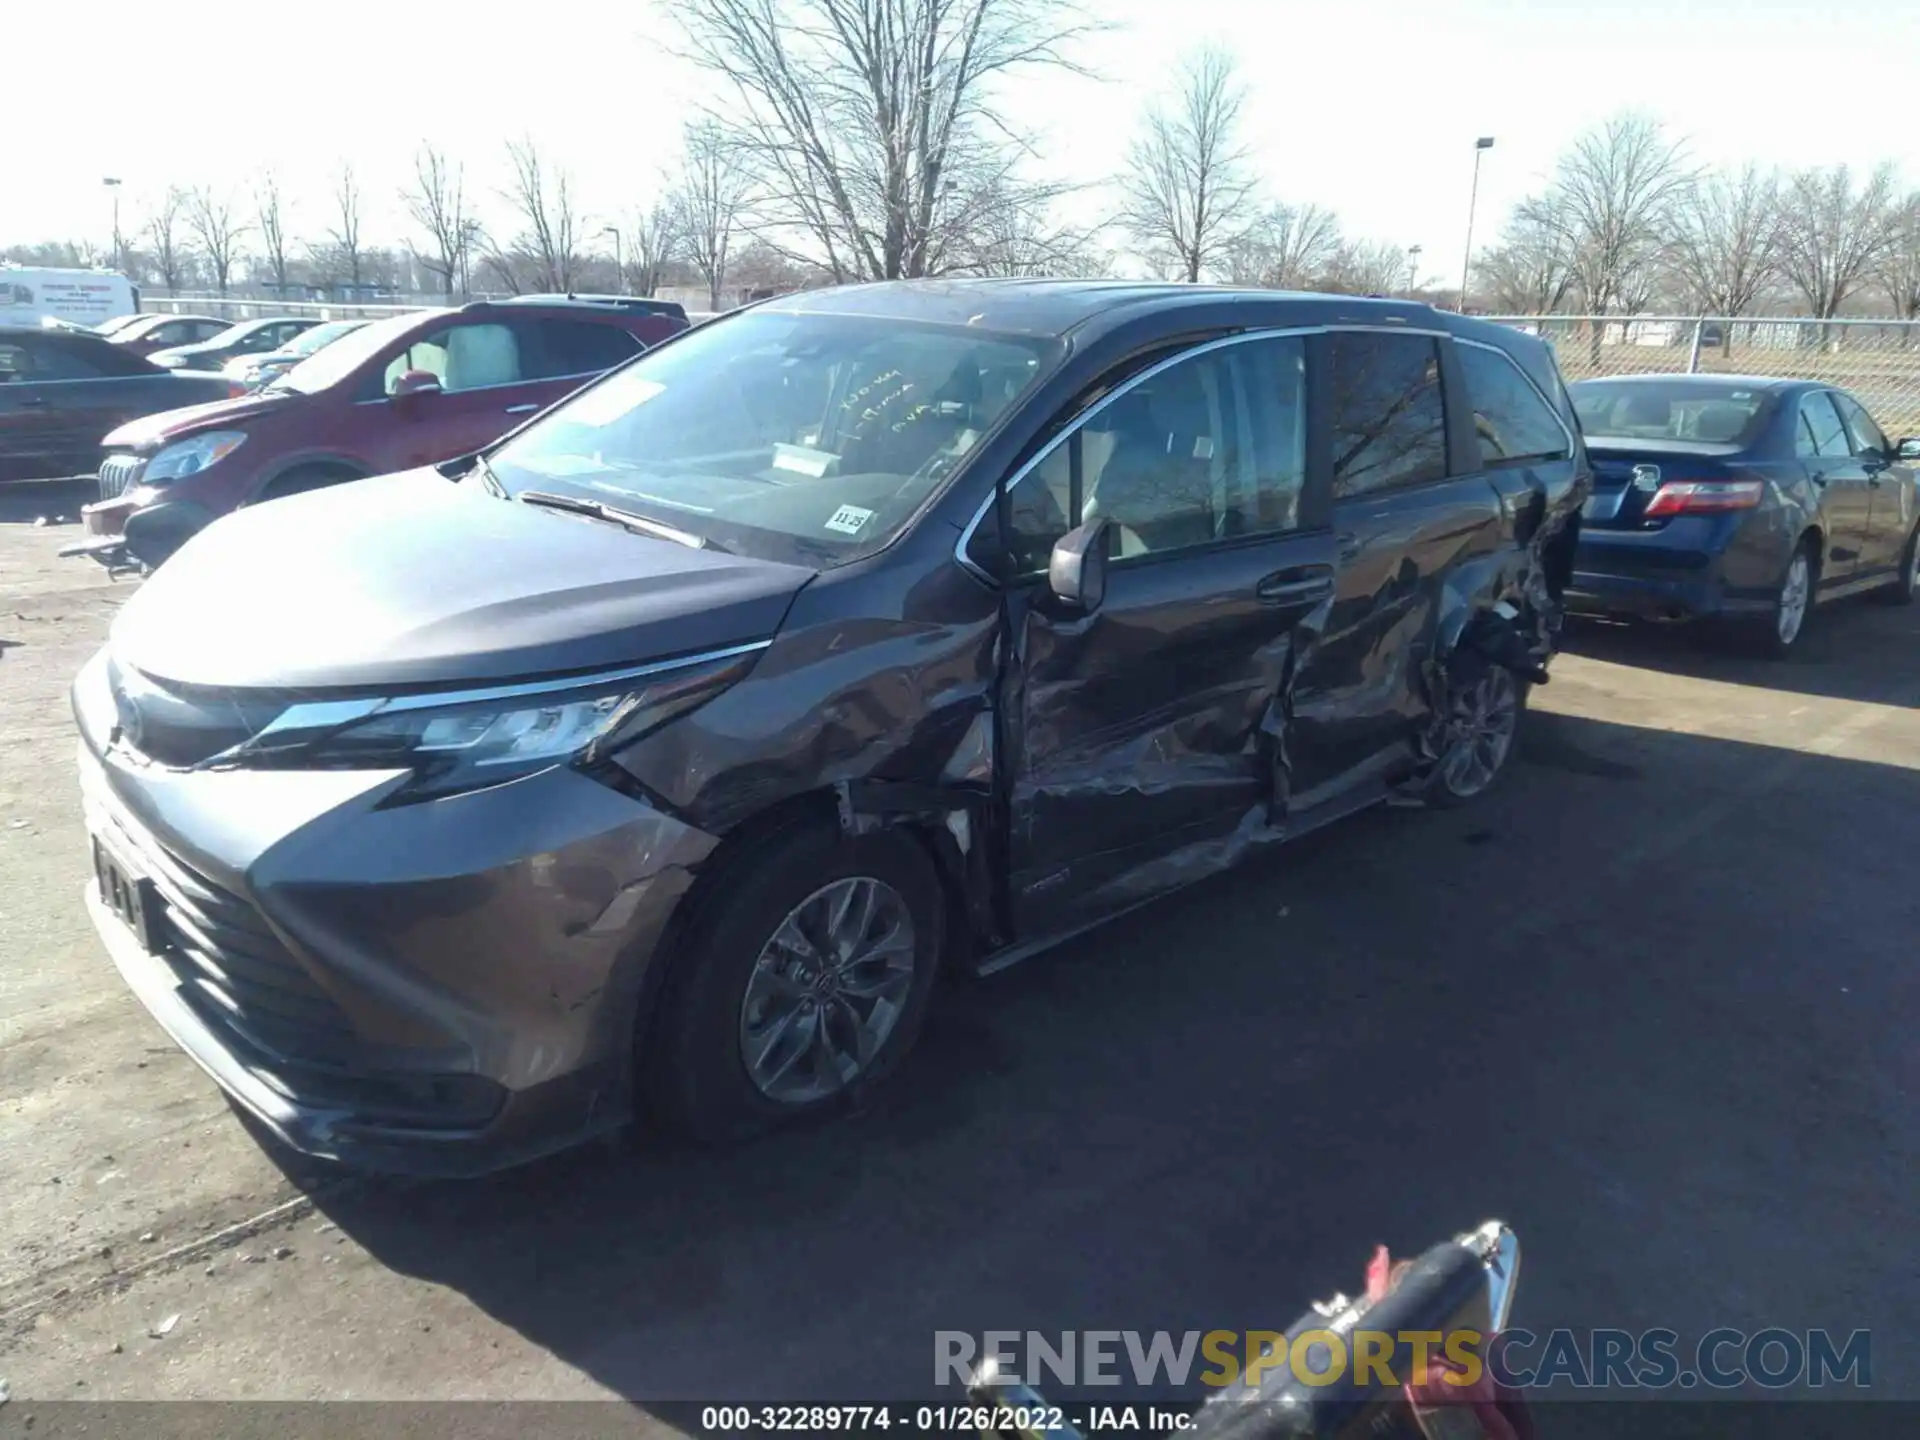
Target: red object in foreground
1438, 1400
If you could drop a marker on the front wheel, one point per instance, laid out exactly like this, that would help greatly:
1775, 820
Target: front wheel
1484, 705
804, 981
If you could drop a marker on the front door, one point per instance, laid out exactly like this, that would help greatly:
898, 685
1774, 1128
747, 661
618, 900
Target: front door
1891, 519
1148, 738
487, 387
1842, 483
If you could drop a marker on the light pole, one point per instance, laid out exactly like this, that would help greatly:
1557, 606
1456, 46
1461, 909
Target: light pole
112, 182
619, 266
1413, 270
1484, 143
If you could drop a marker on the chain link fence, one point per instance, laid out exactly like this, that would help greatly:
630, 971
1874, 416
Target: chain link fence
1878, 361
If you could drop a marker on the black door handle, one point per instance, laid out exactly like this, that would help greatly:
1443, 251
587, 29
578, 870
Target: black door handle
1309, 583
33, 402
1818, 477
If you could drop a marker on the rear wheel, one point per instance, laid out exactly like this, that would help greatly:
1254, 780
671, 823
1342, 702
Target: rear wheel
804, 981
1786, 618
1901, 590
1484, 705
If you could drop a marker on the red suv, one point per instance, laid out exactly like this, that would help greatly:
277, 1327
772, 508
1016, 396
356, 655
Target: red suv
412, 390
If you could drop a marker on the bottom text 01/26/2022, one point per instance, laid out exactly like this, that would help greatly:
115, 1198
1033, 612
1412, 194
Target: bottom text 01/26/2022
938, 1419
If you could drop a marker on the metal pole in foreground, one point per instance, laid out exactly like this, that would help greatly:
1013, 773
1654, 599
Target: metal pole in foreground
112, 182
1485, 142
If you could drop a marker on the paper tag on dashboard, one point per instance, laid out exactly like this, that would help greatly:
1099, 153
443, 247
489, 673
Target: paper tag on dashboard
848, 519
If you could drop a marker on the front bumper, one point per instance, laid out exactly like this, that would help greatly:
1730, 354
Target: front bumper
438, 988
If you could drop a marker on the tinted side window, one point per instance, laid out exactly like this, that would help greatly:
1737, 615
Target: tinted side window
1829, 436
49, 360
1389, 423
578, 347
200, 330
1209, 449
175, 332
1510, 419
1868, 438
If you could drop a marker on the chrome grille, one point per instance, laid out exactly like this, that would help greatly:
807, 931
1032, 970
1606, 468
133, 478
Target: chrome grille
230, 964
118, 473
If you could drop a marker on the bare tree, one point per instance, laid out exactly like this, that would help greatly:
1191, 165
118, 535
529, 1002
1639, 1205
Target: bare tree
1833, 236
1726, 239
1366, 267
1009, 227
652, 243
1287, 247
1898, 269
343, 257
1612, 202
1530, 271
542, 198
271, 213
436, 202
710, 198
170, 254
1188, 191
218, 229
866, 124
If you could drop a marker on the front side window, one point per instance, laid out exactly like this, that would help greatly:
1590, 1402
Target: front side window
1868, 438
462, 357
811, 438
1511, 422
1389, 422
1827, 435
1211, 448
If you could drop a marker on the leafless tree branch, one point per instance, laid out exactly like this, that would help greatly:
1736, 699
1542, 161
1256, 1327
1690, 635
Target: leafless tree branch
1188, 190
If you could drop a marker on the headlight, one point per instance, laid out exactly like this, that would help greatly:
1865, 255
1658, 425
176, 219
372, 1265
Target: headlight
190, 457
472, 739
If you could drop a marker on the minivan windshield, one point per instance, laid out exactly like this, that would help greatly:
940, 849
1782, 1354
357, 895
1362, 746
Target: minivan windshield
1727, 414
805, 438
329, 366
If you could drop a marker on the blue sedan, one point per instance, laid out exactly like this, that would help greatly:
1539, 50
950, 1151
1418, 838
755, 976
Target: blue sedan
1741, 497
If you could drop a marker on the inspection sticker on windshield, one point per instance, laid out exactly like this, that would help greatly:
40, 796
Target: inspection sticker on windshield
848, 519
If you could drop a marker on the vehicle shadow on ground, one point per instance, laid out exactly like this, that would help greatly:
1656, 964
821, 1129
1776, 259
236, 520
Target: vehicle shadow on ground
1205, 1116
24, 501
1853, 649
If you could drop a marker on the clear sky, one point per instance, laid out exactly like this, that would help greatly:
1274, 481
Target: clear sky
1369, 107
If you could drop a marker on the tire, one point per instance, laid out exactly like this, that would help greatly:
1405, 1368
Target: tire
723, 1064
299, 481
1900, 590
1775, 636
1485, 704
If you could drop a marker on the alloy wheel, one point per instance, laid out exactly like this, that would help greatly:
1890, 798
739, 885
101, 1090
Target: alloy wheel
827, 989
1794, 590
1481, 723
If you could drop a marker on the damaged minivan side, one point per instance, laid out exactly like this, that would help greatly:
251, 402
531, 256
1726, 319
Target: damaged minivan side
664, 753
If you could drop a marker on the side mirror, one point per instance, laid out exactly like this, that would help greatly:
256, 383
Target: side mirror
1077, 569
415, 383
1909, 448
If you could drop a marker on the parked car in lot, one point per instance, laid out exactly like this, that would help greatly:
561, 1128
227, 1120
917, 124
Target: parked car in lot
117, 323
145, 334
248, 337
1747, 499
258, 369
61, 392
673, 744
411, 390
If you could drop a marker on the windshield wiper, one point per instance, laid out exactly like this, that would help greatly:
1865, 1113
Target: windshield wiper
601, 511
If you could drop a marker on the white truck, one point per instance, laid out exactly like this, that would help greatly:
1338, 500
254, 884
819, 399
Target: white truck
32, 296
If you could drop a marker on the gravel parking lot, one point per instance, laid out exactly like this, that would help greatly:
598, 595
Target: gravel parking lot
1653, 1003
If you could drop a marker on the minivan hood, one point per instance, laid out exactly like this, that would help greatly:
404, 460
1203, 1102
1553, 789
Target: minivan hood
150, 432
412, 580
